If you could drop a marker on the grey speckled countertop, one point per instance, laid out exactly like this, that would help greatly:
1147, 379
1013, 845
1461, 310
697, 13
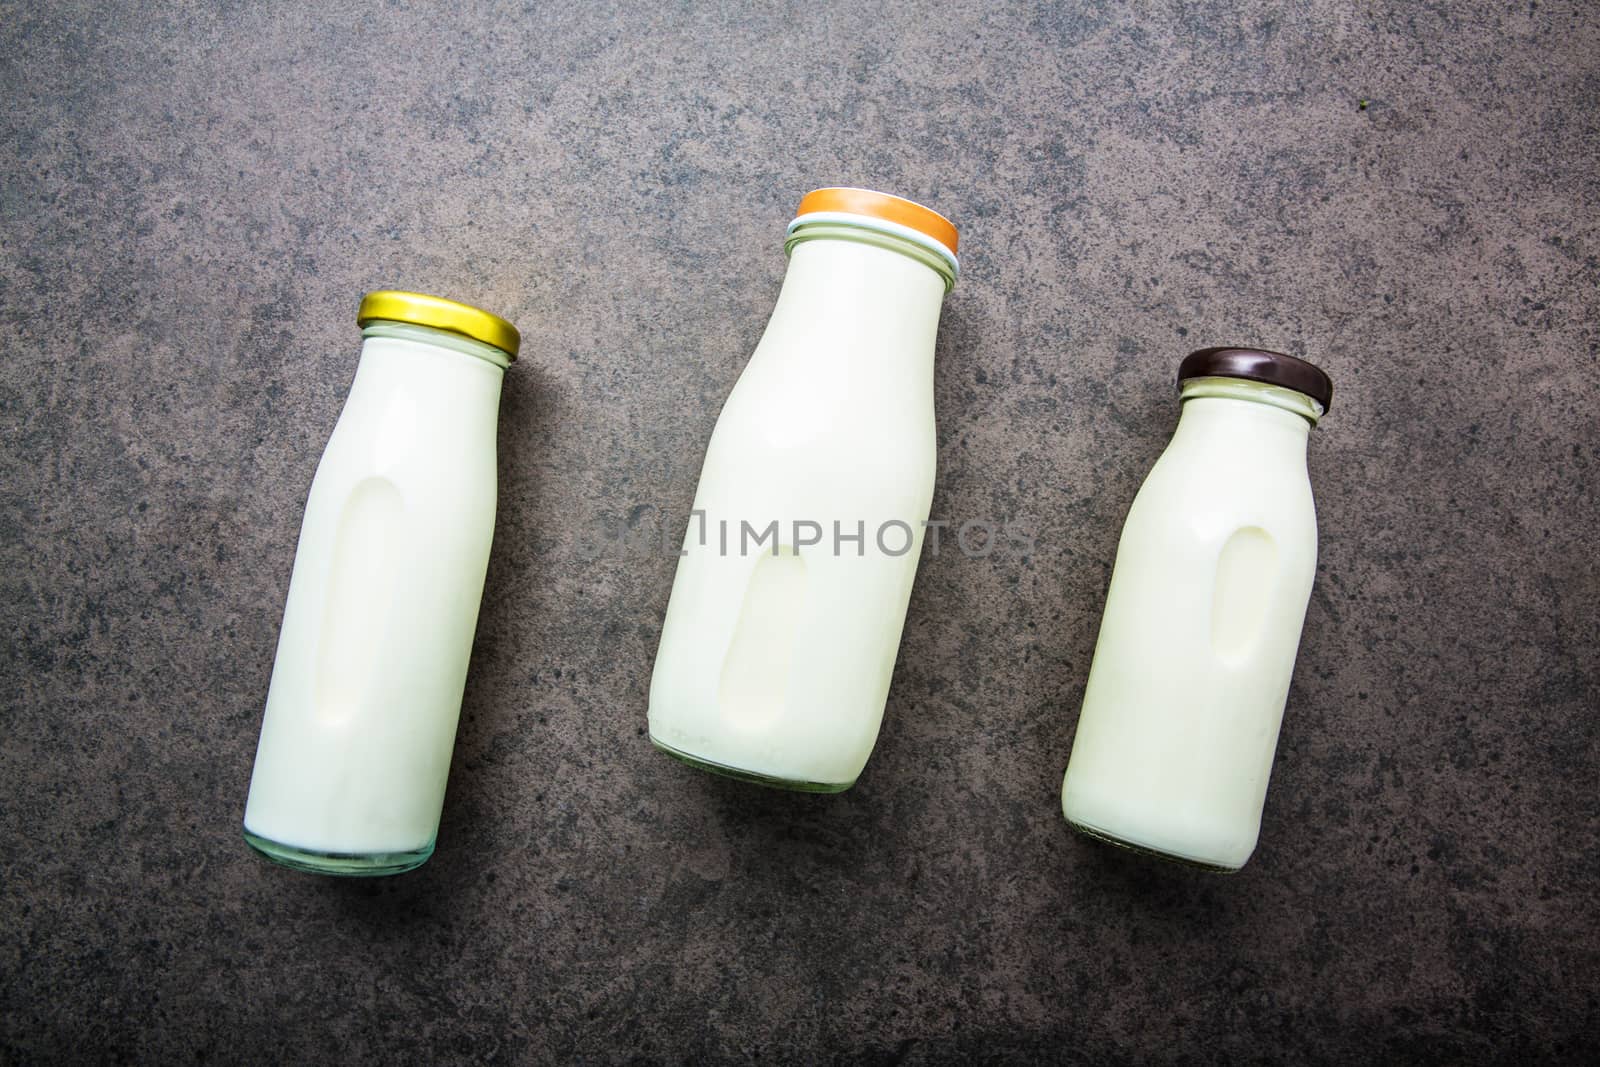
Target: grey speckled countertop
193, 198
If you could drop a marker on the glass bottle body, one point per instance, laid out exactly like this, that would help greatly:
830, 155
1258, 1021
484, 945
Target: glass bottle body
788, 604
372, 658
1180, 719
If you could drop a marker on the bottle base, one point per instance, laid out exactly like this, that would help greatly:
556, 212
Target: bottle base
795, 785
339, 864
1146, 850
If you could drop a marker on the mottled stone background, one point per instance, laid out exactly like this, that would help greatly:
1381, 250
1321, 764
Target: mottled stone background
193, 198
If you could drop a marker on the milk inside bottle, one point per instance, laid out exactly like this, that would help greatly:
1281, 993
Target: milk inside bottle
786, 612
383, 600
1202, 621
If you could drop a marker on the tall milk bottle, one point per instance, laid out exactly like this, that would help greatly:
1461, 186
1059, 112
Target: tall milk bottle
786, 612
366, 688
1187, 689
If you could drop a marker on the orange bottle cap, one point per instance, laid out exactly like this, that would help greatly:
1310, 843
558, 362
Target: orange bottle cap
895, 209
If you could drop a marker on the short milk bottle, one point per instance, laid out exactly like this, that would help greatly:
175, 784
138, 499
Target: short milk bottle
786, 612
1213, 573
383, 601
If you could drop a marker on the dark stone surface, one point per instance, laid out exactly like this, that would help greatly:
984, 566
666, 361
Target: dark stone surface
192, 199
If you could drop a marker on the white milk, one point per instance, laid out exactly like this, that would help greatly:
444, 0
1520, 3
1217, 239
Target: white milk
1180, 717
775, 667
366, 689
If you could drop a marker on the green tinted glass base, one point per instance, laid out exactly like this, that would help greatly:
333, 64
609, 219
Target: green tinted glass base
342, 864
1145, 850
796, 785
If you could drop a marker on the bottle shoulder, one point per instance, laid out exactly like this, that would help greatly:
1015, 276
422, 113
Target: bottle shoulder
1221, 489
1242, 465
395, 441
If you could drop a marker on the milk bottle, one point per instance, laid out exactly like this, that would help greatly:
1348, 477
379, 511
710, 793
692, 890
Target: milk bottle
785, 616
1187, 689
366, 688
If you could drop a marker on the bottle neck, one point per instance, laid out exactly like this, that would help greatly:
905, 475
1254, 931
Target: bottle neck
880, 234
446, 339
1234, 413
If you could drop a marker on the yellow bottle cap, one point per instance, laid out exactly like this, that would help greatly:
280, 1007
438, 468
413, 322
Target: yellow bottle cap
395, 305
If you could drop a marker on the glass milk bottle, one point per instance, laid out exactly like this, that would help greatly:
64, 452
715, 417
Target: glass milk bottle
786, 612
372, 658
1180, 717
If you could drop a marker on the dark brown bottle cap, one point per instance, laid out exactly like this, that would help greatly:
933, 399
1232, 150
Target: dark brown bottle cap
1259, 365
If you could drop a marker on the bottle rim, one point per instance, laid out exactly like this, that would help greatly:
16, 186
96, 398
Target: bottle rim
1259, 365
883, 212
1277, 396
420, 309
